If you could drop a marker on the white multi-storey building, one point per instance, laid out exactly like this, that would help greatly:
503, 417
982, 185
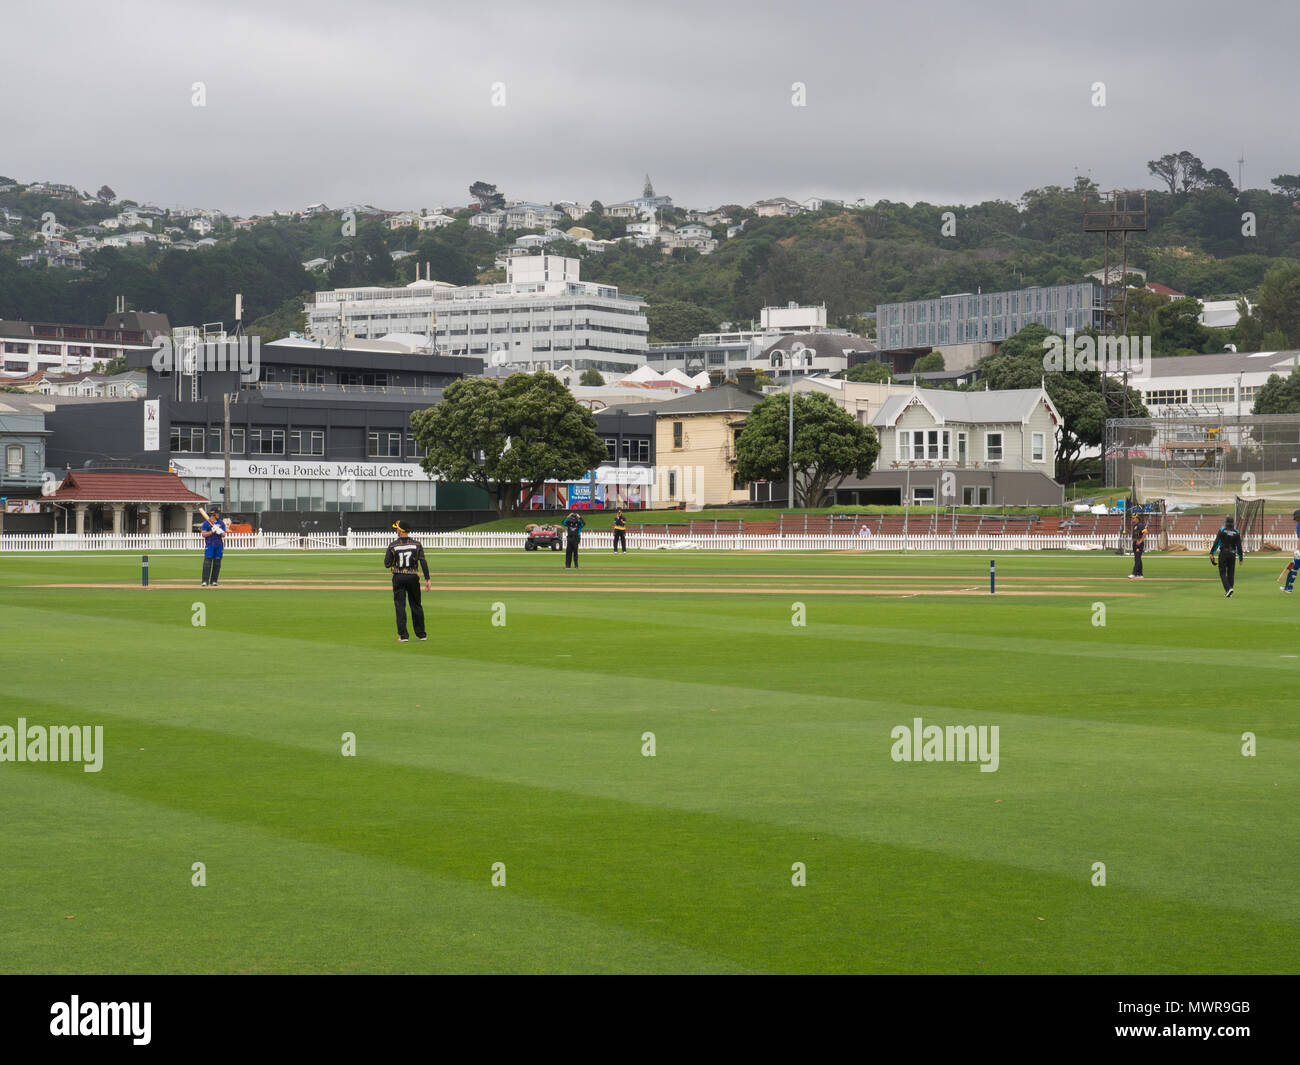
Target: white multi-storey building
543, 316
492, 221
531, 216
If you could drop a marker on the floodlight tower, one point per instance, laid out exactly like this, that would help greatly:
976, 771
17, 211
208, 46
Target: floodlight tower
1115, 215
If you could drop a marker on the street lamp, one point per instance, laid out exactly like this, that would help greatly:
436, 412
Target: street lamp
801, 356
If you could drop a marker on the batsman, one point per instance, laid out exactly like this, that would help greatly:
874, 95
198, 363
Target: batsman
214, 536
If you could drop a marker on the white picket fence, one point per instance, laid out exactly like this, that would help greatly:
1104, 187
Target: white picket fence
594, 541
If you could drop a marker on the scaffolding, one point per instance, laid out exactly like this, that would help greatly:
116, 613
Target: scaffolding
1204, 459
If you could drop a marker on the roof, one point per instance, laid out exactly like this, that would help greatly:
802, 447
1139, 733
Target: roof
1228, 362
102, 486
1007, 406
1164, 290
26, 402
150, 323
721, 399
824, 344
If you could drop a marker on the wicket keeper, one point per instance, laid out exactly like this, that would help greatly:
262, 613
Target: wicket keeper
214, 536
402, 557
1227, 545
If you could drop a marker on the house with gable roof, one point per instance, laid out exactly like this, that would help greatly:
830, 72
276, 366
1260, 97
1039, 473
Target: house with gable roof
963, 449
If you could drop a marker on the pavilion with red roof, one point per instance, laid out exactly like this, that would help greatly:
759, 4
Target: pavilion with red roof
142, 502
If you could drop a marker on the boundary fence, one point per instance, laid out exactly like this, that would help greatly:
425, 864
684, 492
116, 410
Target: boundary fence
599, 541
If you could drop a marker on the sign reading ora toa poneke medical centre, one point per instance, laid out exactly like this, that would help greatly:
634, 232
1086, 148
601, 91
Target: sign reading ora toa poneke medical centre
326, 471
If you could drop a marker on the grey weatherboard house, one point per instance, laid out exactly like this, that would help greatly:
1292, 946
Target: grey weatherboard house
999, 447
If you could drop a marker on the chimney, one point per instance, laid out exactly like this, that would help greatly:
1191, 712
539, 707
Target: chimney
745, 378
716, 377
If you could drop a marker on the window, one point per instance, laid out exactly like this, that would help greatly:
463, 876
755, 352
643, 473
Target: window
993, 447
677, 437
12, 348
611, 448
641, 450
306, 375
307, 441
672, 484
187, 440
266, 442
922, 495
961, 447
384, 445
1039, 447
236, 441
975, 495
368, 380
413, 448
14, 459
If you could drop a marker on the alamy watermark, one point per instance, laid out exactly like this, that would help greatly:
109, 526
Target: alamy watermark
78, 1018
55, 743
191, 355
1105, 354
951, 743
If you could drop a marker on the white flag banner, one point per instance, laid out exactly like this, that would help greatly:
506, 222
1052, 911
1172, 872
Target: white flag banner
152, 413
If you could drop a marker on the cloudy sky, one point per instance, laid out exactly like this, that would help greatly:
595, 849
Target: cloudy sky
391, 102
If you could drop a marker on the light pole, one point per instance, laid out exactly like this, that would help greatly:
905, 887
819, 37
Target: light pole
803, 356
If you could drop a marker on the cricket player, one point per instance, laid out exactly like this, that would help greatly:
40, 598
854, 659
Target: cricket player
1227, 545
214, 536
1139, 542
402, 557
1289, 573
574, 524
620, 531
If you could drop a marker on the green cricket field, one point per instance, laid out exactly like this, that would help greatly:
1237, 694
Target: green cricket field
671, 761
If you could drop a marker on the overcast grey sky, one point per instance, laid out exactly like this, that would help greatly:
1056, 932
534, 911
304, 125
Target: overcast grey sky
390, 101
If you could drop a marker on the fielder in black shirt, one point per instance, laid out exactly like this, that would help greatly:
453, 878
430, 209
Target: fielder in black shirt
575, 525
1139, 545
1228, 547
402, 558
620, 532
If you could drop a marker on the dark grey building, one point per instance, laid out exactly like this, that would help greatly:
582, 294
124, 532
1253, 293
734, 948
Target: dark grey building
312, 429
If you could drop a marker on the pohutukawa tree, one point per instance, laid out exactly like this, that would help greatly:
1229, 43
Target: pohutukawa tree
508, 436
828, 445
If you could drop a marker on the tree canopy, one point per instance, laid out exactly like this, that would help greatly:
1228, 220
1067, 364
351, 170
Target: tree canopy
829, 445
1279, 303
1076, 394
1279, 395
508, 436
873, 371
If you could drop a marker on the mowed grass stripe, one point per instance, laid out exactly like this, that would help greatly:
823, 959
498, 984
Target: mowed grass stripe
1060, 788
717, 884
123, 902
